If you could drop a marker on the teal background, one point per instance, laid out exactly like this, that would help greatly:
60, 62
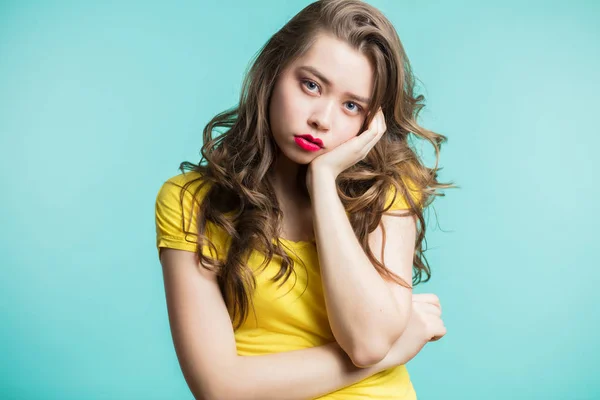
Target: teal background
101, 101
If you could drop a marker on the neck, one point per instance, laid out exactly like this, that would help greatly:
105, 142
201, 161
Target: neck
289, 180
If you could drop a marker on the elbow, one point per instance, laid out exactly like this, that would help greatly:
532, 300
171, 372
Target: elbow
225, 390
368, 354
215, 394
215, 389
376, 348
204, 392
365, 360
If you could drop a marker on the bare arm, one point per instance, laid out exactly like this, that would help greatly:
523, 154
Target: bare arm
205, 345
367, 314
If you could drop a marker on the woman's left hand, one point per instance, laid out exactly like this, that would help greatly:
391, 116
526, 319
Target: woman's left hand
350, 152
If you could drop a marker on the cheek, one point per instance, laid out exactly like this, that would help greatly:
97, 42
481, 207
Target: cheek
280, 104
276, 110
351, 129
346, 130
292, 102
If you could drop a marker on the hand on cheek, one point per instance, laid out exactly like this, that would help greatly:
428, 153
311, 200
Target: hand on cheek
352, 151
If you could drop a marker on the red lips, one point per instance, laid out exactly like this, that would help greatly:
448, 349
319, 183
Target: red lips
312, 139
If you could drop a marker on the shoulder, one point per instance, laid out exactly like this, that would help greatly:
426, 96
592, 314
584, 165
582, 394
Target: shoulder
190, 177
176, 208
185, 183
398, 201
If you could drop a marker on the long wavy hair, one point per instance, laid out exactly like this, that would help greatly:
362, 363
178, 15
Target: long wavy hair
235, 163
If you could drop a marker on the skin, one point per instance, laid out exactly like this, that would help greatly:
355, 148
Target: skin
303, 103
207, 351
325, 93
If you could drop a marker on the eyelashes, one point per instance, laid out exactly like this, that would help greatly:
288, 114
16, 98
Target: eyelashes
305, 82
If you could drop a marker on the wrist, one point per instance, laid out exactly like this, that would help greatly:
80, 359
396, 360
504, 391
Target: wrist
318, 176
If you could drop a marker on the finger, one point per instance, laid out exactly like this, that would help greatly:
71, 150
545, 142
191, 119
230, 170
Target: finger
370, 127
367, 133
426, 298
368, 139
363, 141
439, 334
374, 124
377, 132
383, 124
428, 308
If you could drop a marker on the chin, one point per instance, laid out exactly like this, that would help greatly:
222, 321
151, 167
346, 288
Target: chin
292, 152
299, 156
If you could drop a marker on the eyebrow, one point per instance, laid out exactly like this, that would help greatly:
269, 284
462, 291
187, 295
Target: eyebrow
319, 75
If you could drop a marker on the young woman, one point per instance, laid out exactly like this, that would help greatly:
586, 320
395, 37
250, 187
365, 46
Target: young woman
287, 254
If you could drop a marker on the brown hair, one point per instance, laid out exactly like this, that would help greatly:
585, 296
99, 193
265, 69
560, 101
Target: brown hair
241, 199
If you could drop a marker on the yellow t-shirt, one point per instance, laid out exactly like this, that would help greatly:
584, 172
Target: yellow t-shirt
288, 318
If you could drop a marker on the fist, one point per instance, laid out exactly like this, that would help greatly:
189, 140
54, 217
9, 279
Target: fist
426, 316
424, 325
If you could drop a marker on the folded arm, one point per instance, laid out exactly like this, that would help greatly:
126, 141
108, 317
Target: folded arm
367, 314
205, 346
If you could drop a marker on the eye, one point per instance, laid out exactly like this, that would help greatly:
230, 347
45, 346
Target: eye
310, 85
356, 107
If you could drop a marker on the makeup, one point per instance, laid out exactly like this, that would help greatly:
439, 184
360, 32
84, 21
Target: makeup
306, 144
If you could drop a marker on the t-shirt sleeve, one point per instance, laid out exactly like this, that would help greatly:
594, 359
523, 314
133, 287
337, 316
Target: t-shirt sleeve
400, 202
175, 226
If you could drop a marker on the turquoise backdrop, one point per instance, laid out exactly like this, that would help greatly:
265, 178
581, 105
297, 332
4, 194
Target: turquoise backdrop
101, 101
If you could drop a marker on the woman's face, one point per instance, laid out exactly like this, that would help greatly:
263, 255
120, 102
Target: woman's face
325, 94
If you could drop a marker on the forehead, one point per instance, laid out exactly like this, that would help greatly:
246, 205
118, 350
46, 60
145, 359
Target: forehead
347, 69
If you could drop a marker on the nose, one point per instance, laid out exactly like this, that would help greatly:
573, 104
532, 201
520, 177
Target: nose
320, 119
